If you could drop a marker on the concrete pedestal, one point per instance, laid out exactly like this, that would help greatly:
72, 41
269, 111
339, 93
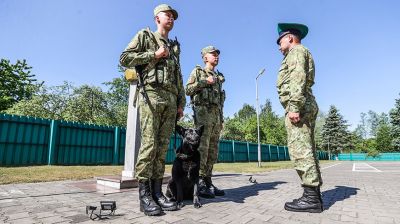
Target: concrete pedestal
132, 145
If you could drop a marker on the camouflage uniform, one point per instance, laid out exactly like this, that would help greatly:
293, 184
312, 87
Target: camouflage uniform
295, 79
164, 87
207, 101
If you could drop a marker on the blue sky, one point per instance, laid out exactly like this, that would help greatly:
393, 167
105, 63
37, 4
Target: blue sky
354, 44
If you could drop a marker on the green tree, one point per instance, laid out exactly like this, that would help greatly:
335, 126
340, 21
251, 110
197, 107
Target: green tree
319, 124
335, 136
239, 127
48, 102
17, 83
272, 127
383, 138
243, 126
117, 98
362, 128
395, 121
357, 143
373, 122
89, 104
246, 112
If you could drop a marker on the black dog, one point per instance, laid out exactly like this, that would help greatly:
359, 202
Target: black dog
185, 170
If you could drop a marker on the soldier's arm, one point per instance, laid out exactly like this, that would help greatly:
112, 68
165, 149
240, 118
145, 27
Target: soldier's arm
194, 84
181, 92
136, 53
297, 80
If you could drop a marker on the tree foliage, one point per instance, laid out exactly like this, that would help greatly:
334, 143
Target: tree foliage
87, 104
48, 102
373, 134
243, 126
17, 83
383, 138
118, 96
335, 136
395, 122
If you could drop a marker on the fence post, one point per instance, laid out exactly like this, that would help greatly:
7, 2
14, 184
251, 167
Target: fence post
278, 152
248, 152
284, 150
52, 142
269, 152
117, 133
233, 150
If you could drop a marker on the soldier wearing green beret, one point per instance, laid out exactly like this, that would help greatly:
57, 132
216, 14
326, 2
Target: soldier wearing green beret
207, 98
295, 79
156, 59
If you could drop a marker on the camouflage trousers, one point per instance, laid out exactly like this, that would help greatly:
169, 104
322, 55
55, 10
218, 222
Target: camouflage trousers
302, 149
156, 128
211, 119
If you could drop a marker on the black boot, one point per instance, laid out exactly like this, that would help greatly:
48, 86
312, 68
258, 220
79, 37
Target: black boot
159, 197
147, 204
311, 201
216, 191
203, 190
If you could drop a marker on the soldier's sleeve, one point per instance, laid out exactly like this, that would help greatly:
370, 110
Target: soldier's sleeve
136, 53
297, 80
194, 83
181, 92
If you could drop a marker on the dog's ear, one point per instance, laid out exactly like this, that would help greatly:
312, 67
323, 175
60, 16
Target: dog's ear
181, 130
200, 130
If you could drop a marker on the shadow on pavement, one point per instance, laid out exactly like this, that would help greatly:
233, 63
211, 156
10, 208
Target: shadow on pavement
239, 194
227, 174
339, 193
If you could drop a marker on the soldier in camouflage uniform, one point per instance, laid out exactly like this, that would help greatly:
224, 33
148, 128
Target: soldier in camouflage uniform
207, 98
162, 99
295, 79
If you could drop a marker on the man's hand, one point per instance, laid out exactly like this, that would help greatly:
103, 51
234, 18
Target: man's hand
294, 117
179, 113
162, 52
210, 80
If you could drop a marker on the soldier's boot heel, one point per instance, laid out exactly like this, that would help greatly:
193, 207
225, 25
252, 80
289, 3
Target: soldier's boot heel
215, 190
203, 190
147, 205
311, 201
159, 197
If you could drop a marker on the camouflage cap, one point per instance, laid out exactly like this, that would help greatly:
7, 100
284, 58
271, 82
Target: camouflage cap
165, 7
209, 49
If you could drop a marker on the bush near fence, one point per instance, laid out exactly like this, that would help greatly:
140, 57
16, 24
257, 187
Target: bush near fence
28, 141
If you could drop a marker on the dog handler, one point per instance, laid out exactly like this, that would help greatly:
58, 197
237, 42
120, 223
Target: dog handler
207, 98
162, 99
295, 79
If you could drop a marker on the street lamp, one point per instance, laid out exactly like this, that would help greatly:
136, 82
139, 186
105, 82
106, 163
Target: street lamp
258, 118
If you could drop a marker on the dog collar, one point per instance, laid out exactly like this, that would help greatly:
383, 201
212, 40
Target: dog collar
182, 156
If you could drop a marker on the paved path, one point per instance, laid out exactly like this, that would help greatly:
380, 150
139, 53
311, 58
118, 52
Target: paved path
353, 193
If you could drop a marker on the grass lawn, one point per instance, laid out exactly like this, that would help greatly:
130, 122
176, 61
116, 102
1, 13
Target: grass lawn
32, 174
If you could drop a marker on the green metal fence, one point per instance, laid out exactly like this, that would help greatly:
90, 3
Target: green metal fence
365, 157
34, 141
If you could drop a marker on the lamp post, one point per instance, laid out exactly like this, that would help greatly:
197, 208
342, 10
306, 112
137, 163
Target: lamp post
258, 118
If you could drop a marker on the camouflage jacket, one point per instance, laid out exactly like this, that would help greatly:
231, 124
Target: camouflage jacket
163, 73
202, 93
295, 79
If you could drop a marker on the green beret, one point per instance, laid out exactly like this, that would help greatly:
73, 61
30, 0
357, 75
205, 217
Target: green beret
165, 7
292, 28
209, 49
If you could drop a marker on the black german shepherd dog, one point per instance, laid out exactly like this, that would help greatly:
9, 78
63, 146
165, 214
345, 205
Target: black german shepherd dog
185, 170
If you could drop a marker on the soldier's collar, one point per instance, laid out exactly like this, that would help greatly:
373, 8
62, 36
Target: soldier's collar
158, 35
209, 70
